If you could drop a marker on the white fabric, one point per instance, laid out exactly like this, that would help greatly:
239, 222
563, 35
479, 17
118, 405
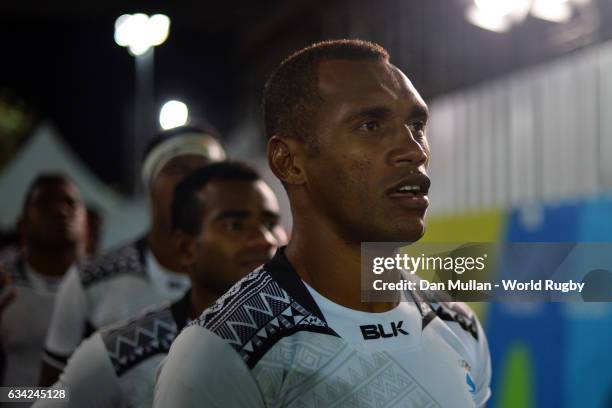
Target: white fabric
201, 358
102, 303
441, 365
69, 318
170, 284
24, 325
189, 143
89, 368
346, 322
92, 382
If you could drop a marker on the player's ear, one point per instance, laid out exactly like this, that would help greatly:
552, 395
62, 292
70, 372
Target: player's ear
186, 249
285, 158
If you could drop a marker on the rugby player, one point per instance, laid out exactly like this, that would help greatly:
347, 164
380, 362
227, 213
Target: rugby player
52, 230
226, 223
346, 136
115, 285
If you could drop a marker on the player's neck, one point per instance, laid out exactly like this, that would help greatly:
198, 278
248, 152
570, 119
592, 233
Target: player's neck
163, 248
330, 265
201, 299
51, 261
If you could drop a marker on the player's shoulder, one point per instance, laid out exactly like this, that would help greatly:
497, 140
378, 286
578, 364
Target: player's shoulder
459, 313
133, 341
257, 312
124, 259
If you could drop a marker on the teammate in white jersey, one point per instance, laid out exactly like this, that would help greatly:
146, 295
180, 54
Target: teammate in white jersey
115, 285
52, 231
226, 222
346, 136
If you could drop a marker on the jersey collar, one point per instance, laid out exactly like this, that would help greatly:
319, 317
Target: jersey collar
281, 270
180, 310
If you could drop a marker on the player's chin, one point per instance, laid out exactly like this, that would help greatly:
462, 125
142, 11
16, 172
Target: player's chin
410, 229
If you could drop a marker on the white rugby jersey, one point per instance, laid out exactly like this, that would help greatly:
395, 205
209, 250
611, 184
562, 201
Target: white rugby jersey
116, 366
108, 289
268, 343
25, 321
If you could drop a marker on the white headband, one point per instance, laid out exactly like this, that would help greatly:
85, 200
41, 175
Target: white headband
188, 143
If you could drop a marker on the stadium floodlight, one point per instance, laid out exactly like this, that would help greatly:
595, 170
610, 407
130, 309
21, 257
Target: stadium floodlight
497, 15
488, 21
139, 32
173, 114
556, 11
501, 15
502, 7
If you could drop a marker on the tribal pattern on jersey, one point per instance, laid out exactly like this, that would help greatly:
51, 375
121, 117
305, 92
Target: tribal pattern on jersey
130, 343
255, 313
125, 260
359, 379
454, 312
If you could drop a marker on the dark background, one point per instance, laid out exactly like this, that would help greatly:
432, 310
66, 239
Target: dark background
60, 62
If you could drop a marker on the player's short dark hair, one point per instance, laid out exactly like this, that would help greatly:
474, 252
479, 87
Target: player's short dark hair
187, 207
44, 179
291, 99
164, 135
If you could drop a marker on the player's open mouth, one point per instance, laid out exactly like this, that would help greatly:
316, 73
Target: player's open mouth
412, 191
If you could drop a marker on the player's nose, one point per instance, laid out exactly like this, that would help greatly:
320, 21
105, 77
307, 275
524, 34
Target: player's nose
409, 149
262, 238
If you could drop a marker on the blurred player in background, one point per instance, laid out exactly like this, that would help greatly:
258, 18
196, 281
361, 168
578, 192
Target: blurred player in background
115, 285
52, 230
226, 222
346, 136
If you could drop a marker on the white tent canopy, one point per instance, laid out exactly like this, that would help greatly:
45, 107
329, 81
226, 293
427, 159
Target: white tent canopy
45, 152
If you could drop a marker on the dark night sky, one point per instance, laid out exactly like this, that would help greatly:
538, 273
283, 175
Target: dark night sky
74, 74
61, 59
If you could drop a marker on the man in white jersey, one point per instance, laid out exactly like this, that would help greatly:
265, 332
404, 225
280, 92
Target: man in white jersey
52, 233
346, 136
115, 285
226, 222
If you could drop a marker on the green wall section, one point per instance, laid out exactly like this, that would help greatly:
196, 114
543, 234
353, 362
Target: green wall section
516, 389
488, 226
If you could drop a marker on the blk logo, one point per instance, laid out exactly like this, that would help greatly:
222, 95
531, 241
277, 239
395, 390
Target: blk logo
376, 331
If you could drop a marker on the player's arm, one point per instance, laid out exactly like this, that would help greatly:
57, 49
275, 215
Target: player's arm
66, 328
202, 370
483, 369
89, 379
468, 328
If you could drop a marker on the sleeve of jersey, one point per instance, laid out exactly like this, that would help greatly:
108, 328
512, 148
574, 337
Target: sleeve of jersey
68, 322
483, 368
479, 348
89, 379
201, 370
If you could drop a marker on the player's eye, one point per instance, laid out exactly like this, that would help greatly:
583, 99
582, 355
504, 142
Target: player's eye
270, 224
234, 225
370, 126
71, 202
418, 126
